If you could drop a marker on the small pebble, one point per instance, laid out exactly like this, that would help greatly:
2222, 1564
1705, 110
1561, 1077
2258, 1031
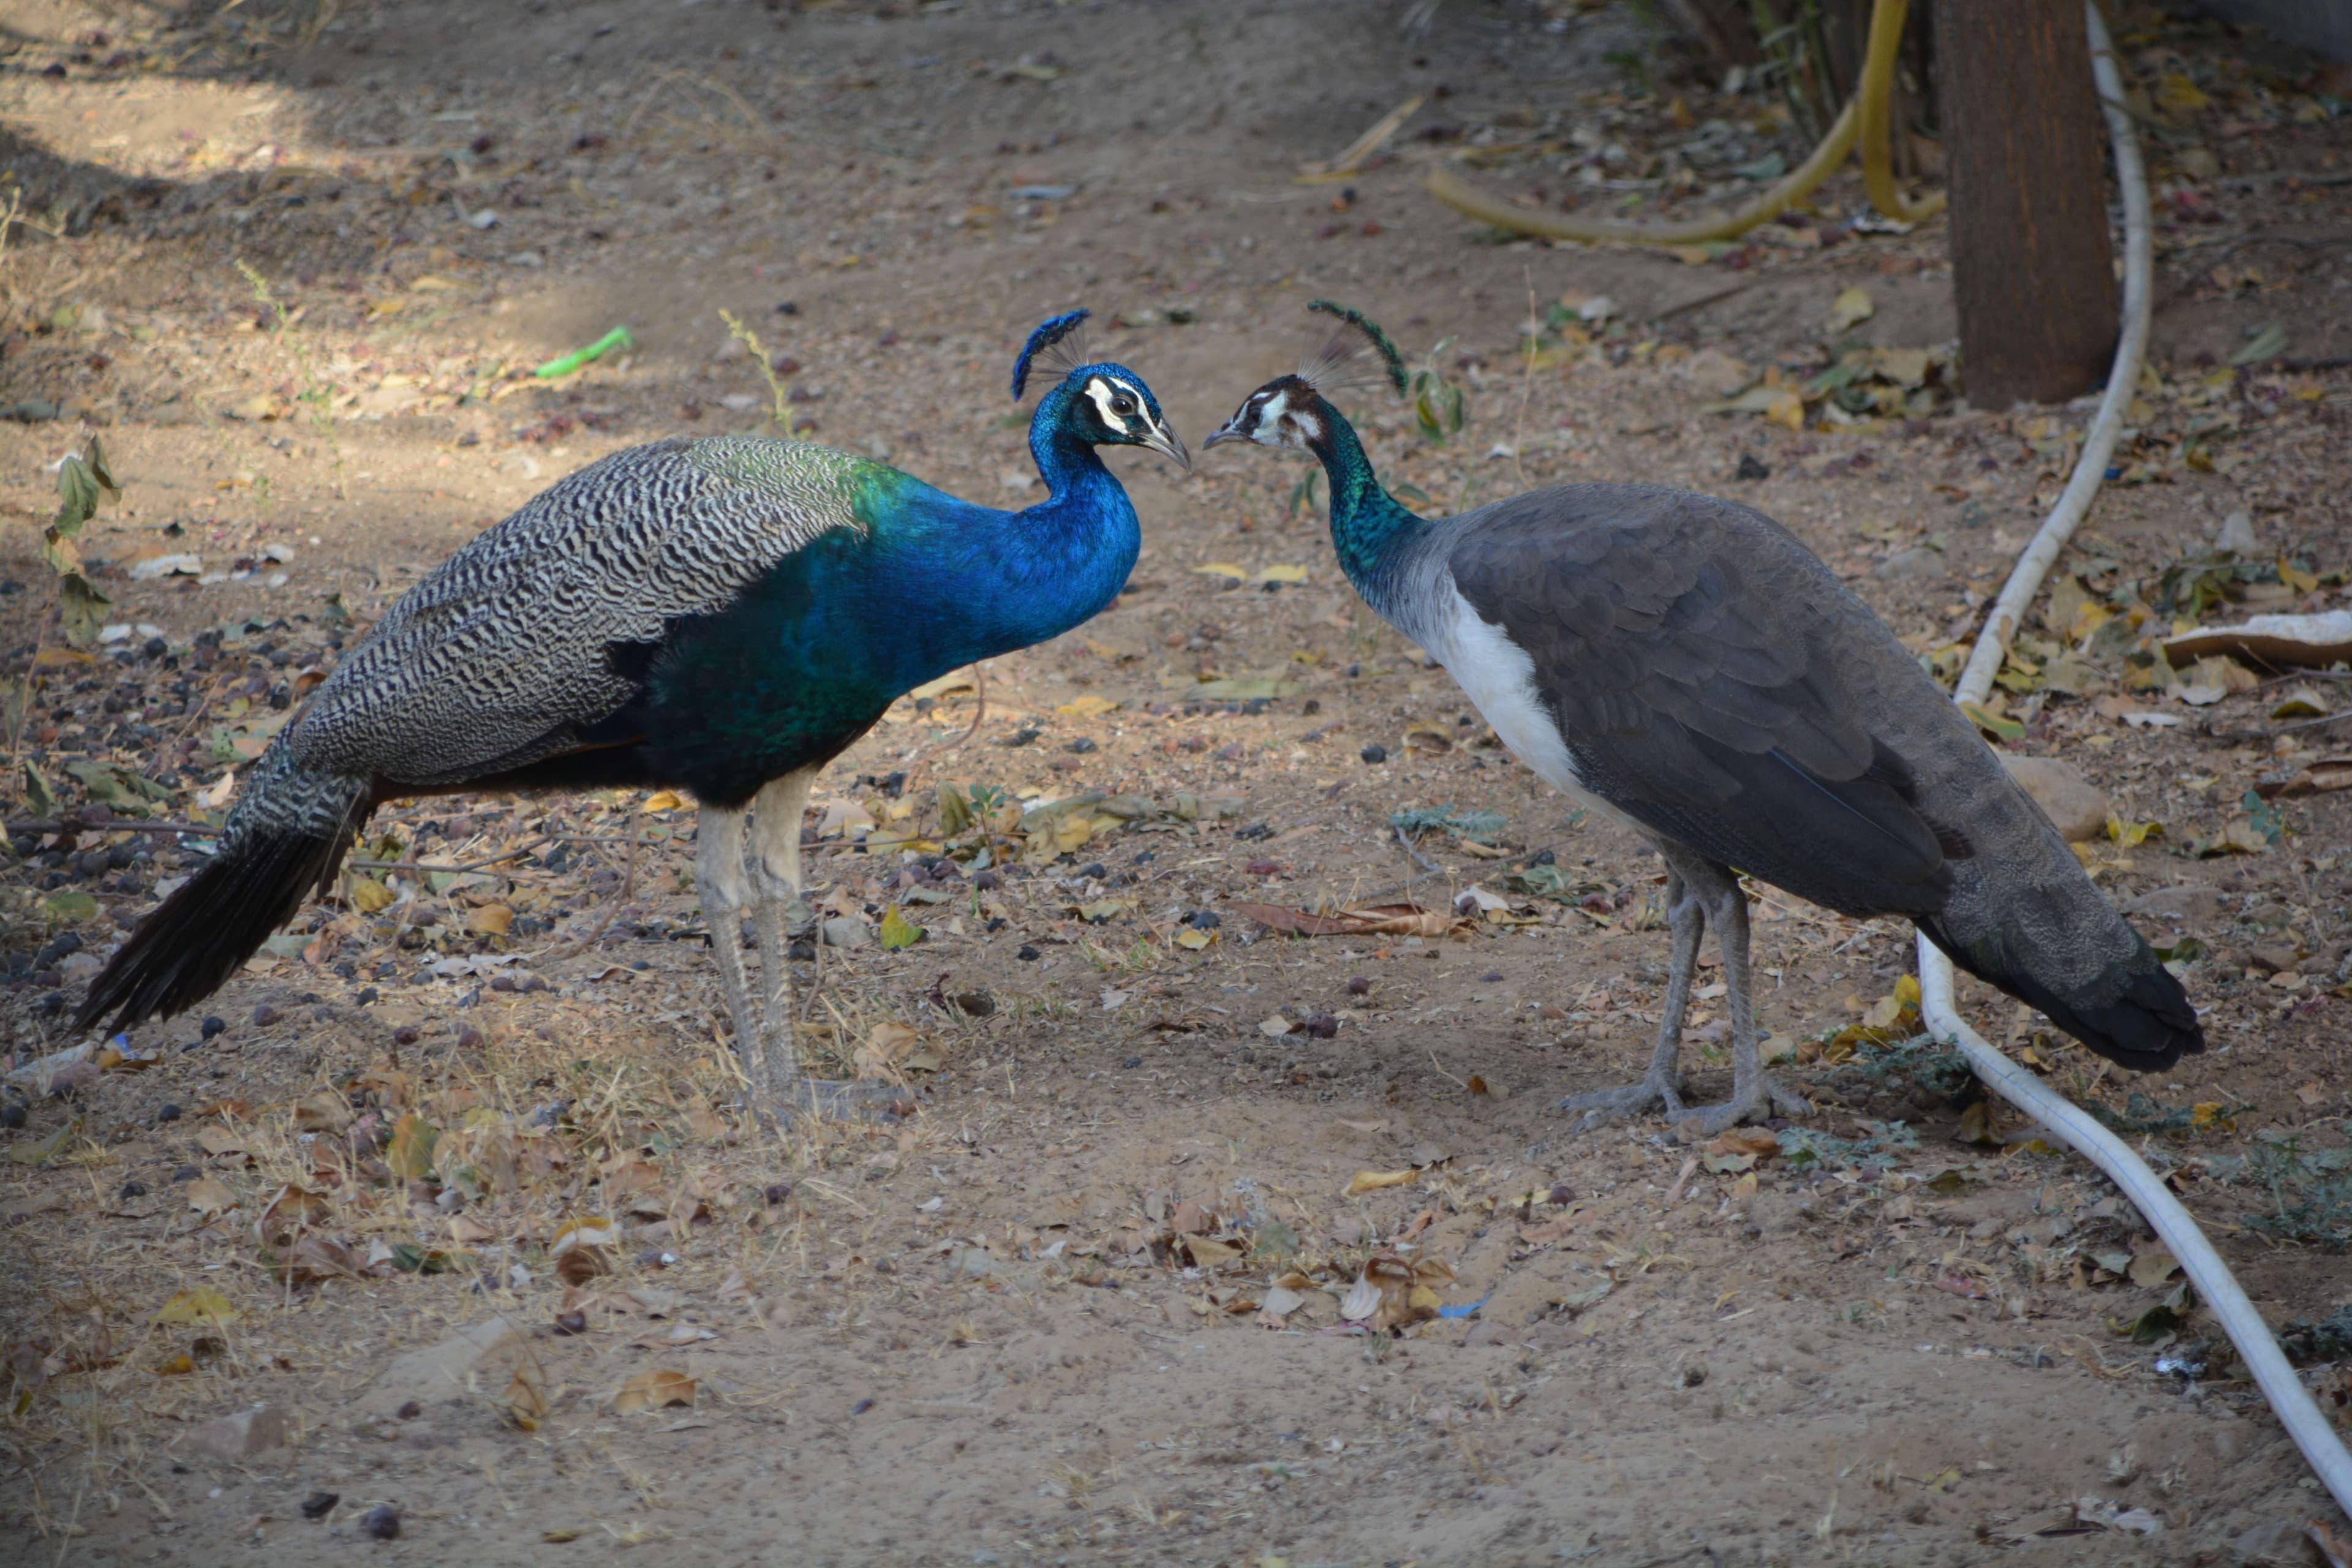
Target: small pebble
368, 995
469, 1038
1375, 753
167, 1111
263, 1014
571, 1322
318, 1505
1491, 975
1204, 919
383, 1522
861, 1407
186, 1173
409, 1411
134, 1189
404, 1036
1360, 985
1082, 744
1027, 954
777, 1192
987, 881
12, 1115
1133, 1062
214, 1026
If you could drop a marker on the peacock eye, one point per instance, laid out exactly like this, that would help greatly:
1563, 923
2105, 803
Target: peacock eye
1122, 406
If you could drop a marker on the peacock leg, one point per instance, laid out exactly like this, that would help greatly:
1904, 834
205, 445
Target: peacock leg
1687, 923
776, 877
719, 876
1755, 1096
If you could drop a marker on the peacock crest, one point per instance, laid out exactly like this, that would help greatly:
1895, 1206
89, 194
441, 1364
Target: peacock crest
1059, 343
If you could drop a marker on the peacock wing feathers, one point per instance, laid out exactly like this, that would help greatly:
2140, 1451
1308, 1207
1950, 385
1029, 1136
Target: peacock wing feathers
534, 631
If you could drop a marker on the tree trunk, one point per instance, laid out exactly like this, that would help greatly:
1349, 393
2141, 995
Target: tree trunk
2032, 272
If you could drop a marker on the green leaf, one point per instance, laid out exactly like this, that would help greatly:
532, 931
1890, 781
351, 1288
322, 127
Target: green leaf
69, 907
955, 810
81, 606
898, 931
39, 798
112, 784
1302, 494
2268, 343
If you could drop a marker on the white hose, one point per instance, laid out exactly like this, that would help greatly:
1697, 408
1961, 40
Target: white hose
2215, 1286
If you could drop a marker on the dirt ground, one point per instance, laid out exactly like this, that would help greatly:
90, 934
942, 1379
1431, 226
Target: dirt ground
1091, 1303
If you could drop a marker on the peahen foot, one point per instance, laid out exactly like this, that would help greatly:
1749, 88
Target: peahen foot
1604, 1106
865, 1099
1761, 1100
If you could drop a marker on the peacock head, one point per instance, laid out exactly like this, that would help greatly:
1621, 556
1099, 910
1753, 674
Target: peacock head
1101, 404
1289, 410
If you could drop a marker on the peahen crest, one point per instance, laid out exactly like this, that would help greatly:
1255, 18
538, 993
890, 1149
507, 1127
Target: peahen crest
1358, 354
1060, 343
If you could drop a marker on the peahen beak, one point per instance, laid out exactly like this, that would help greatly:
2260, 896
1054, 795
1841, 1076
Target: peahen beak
1228, 431
1162, 440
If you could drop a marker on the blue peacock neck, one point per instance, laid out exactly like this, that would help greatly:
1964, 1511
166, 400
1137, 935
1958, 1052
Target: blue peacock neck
1369, 529
1066, 557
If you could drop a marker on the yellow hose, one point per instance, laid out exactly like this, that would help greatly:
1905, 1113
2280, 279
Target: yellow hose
1875, 134
1855, 121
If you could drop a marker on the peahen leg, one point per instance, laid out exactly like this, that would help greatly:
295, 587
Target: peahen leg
776, 882
1687, 923
719, 877
1755, 1096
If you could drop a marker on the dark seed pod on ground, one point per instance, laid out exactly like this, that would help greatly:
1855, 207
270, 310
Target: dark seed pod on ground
383, 1522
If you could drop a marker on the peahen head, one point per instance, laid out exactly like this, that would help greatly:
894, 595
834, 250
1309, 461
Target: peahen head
1098, 404
1291, 410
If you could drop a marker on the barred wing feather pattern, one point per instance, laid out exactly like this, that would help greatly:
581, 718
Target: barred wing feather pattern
499, 657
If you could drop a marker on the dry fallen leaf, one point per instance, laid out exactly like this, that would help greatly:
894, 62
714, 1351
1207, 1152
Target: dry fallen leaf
289, 1211
208, 1196
527, 1401
652, 1390
199, 1304
1373, 1181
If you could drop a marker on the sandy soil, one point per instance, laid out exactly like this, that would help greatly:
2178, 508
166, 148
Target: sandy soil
1087, 1304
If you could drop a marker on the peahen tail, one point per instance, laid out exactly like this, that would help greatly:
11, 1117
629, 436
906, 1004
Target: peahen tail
2043, 933
285, 840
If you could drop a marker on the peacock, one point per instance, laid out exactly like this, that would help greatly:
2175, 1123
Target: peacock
723, 615
1684, 665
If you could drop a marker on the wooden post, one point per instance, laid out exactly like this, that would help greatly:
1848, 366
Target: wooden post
2032, 267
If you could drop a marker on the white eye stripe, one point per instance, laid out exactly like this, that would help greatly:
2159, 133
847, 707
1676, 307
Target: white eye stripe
1103, 392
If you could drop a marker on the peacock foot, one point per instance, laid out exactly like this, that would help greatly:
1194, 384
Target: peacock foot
1762, 1099
864, 1099
1608, 1105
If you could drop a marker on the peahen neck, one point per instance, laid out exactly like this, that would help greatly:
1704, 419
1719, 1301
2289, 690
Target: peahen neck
1369, 526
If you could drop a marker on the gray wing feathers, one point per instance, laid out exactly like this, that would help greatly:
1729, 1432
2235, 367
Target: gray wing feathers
497, 658
1715, 681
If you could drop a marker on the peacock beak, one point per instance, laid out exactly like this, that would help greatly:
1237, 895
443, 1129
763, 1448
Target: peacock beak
1162, 440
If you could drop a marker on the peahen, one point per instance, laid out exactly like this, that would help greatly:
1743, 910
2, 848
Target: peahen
1683, 663
723, 615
